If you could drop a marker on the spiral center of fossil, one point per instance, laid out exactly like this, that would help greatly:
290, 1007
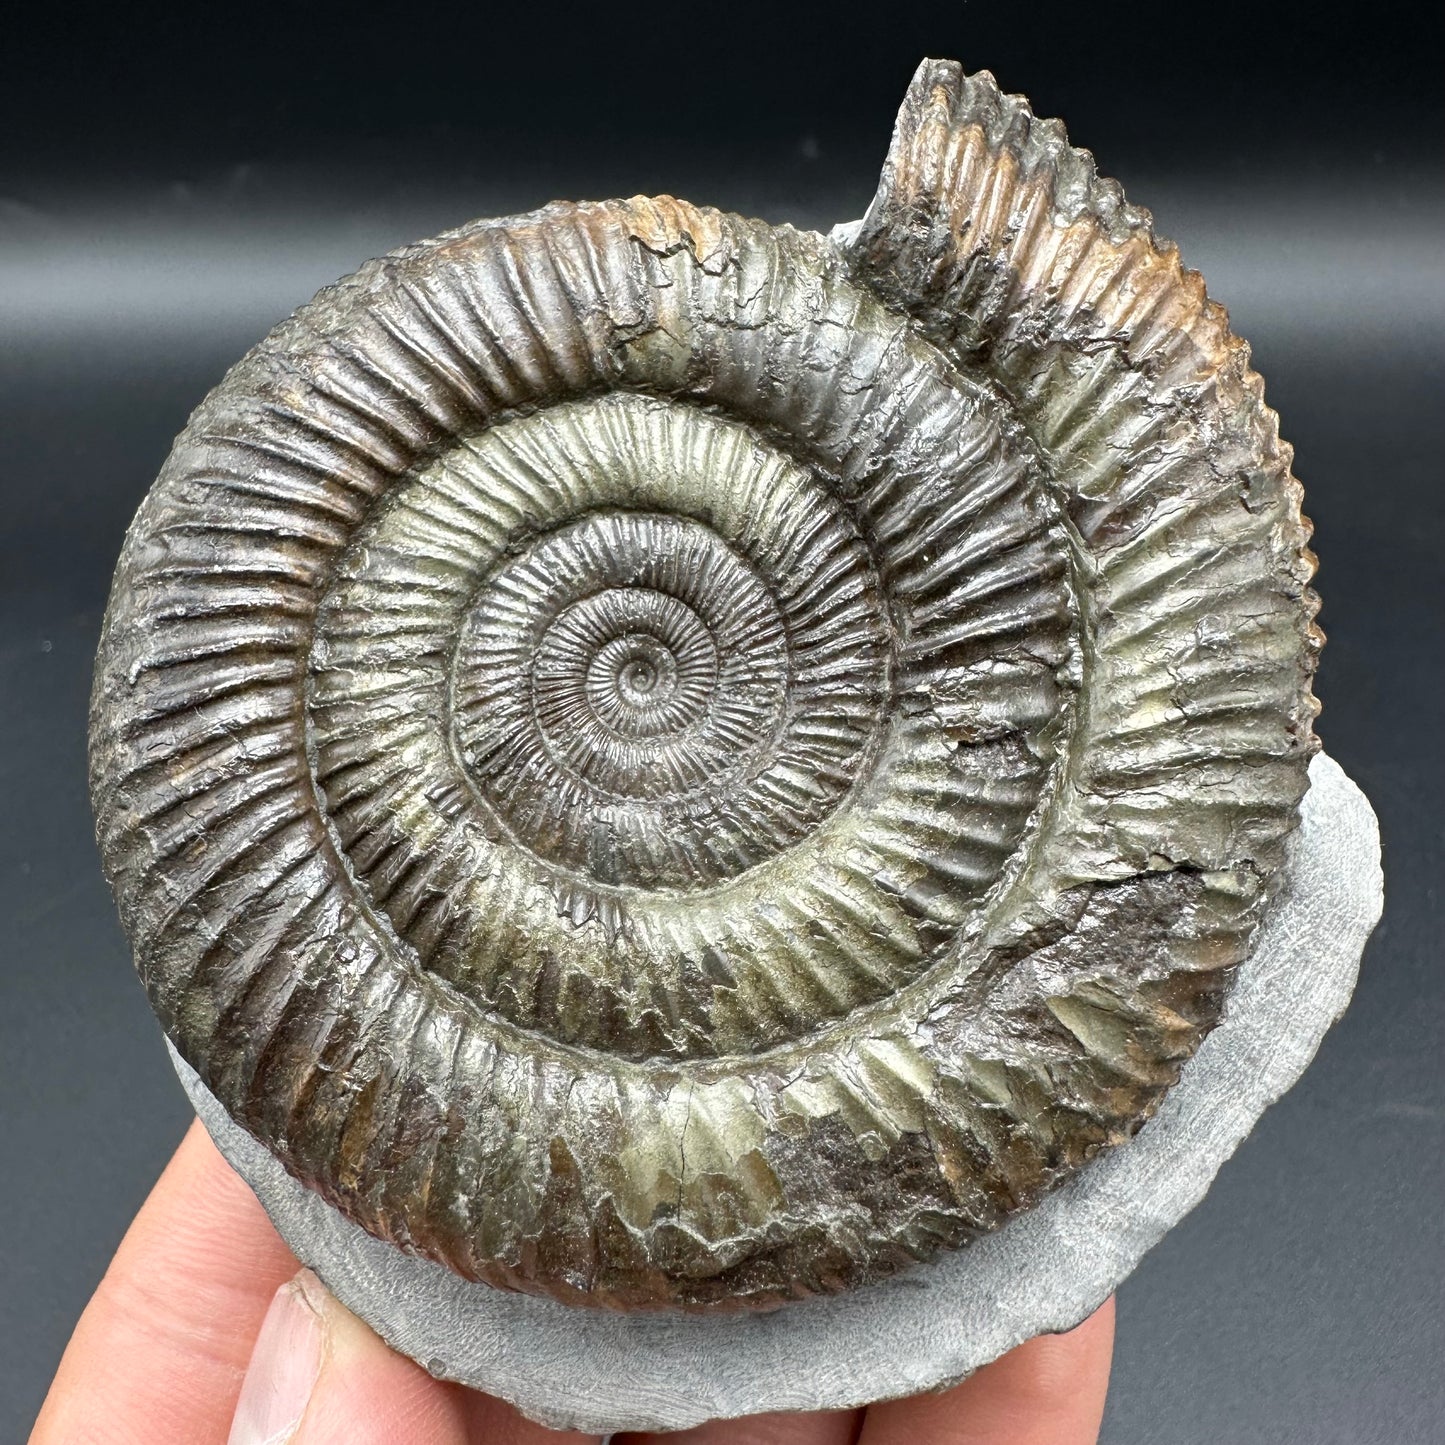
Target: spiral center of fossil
623, 690
639, 677
647, 664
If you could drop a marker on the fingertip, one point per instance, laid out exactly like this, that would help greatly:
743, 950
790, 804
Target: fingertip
319, 1376
282, 1373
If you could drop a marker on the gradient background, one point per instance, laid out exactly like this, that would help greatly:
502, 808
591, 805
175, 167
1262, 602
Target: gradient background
171, 184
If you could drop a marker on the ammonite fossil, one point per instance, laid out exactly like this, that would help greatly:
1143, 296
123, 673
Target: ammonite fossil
664, 760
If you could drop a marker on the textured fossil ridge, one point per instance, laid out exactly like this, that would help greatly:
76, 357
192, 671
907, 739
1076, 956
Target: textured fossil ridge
669, 761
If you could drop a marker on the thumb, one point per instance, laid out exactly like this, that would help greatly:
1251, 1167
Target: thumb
318, 1376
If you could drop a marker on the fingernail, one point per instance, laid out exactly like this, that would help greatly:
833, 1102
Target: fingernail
283, 1369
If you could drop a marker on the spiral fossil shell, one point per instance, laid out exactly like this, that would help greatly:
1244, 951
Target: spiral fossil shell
670, 761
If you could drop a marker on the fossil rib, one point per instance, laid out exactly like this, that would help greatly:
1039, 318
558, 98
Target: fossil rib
664, 760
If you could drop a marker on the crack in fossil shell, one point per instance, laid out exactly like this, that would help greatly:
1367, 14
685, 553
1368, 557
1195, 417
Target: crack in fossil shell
672, 762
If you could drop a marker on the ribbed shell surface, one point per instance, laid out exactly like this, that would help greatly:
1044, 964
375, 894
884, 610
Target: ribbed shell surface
669, 761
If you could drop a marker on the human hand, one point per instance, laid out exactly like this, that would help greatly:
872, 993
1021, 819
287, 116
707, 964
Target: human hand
204, 1330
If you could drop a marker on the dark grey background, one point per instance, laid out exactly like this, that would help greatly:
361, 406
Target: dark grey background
171, 184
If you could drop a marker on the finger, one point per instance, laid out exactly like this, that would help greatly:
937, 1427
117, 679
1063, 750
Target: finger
318, 1376
1049, 1391
161, 1349
830, 1427
494, 1422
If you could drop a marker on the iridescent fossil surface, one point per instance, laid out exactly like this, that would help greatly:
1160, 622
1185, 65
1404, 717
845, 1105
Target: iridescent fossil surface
663, 760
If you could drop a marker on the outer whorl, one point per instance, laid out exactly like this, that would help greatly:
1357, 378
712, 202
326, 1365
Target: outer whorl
662, 760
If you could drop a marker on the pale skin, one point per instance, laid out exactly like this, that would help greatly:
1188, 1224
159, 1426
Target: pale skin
205, 1331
